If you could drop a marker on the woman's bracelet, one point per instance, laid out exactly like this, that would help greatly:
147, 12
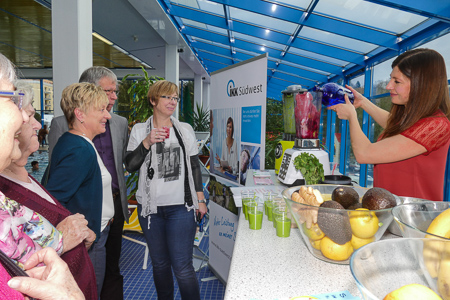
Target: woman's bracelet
202, 201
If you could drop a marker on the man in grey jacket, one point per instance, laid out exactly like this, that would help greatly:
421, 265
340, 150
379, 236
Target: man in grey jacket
111, 146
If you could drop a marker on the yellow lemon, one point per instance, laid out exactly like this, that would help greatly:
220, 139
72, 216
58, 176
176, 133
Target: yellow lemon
335, 251
413, 291
314, 233
315, 244
358, 242
364, 223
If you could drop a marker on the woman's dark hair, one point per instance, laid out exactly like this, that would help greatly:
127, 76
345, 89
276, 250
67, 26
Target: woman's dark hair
230, 120
425, 68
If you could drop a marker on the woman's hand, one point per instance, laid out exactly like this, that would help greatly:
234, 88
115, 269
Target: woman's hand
344, 111
202, 209
50, 282
74, 230
156, 135
359, 99
90, 239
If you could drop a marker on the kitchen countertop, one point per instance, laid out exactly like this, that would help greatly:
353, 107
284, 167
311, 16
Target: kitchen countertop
265, 266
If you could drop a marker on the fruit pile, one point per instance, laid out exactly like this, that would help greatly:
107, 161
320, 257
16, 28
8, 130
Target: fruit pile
344, 224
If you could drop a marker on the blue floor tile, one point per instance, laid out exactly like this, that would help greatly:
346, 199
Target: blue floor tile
138, 283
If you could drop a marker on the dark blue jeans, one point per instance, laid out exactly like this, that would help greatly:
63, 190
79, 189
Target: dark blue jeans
170, 242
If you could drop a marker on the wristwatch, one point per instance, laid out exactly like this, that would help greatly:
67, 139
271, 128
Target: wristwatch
202, 201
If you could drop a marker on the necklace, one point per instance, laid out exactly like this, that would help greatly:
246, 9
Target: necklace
82, 133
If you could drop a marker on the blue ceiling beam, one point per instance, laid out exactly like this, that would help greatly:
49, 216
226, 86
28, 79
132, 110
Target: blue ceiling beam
206, 35
352, 31
311, 63
438, 9
302, 73
300, 43
341, 54
340, 27
217, 58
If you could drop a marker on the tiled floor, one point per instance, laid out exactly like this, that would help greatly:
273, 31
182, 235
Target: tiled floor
138, 283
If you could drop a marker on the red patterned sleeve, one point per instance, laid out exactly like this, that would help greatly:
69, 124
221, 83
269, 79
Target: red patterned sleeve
432, 132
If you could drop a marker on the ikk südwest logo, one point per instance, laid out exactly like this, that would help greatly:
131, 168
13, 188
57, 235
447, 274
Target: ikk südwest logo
233, 91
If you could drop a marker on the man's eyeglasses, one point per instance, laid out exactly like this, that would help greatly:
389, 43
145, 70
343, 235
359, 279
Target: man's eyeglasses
176, 99
16, 97
109, 92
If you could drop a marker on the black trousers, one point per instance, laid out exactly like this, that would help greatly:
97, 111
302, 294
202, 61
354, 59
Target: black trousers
113, 283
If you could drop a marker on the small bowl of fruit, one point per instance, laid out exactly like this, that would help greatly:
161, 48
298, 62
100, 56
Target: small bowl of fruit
403, 269
335, 220
423, 219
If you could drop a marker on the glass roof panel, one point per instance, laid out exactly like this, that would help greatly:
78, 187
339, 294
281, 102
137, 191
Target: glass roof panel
371, 14
302, 4
324, 58
194, 23
262, 21
208, 6
336, 40
204, 26
259, 41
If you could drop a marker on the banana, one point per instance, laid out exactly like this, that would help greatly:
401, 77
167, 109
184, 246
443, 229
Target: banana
432, 251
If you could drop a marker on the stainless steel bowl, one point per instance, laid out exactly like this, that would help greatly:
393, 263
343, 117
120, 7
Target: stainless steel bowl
393, 227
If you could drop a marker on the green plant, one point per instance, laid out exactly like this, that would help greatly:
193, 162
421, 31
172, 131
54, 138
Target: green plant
200, 118
136, 93
310, 167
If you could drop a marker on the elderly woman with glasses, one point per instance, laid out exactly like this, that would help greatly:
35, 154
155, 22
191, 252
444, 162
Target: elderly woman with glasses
52, 280
170, 192
17, 184
77, 176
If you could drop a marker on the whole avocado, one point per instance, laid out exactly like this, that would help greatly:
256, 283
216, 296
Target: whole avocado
335, 224
345, 195
378, 198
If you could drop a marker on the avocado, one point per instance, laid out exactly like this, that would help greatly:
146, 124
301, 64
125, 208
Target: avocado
378, 198
334, 223
345, 195
355, 206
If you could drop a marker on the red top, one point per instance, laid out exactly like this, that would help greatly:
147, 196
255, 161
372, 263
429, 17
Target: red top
421, 176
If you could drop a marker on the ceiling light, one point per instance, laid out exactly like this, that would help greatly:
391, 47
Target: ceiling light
104, 40
283, 53
231, 39
399, 39
274, 7
267, 31
263, 48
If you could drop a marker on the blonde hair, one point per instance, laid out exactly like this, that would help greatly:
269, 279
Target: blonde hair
161, 88
84, 96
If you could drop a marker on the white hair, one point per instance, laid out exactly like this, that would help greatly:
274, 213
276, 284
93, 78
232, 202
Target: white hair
27, 89
7, 71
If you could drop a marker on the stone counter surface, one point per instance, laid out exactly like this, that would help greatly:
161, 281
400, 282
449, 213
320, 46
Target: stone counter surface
268, 267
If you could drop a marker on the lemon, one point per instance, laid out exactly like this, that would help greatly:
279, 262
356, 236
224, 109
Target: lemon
364, 223
335, 251
413, 291
315, 244
358, 242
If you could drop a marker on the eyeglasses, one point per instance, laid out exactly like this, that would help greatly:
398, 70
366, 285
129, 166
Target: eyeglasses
108, 92
176, 99
16, 97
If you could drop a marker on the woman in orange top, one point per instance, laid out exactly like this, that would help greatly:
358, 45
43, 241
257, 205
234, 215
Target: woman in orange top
410, 154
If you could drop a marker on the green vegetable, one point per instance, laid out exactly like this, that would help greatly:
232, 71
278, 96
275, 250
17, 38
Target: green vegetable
310, 167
